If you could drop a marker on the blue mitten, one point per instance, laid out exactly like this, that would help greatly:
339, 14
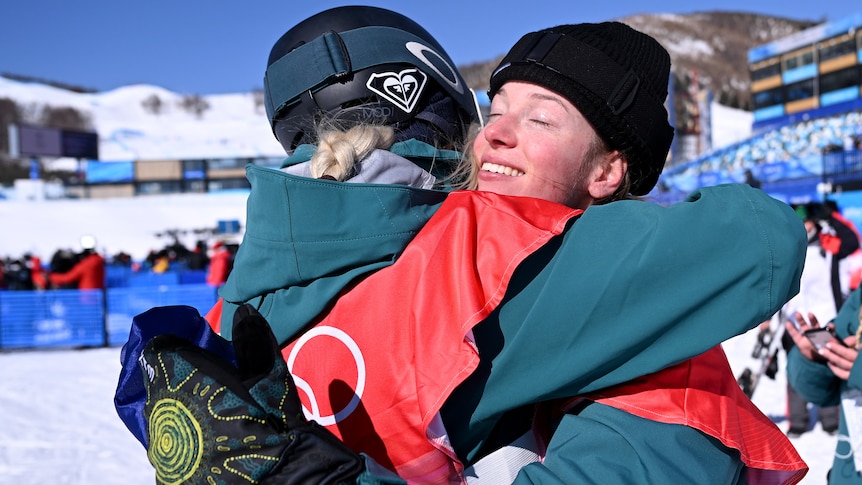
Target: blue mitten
183, 321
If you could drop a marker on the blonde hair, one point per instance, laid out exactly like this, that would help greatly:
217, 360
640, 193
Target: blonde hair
466, 174
339, 150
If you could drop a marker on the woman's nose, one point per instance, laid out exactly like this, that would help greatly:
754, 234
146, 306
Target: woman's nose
500, 131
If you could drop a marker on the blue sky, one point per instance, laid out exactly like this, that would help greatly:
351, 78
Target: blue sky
220, 46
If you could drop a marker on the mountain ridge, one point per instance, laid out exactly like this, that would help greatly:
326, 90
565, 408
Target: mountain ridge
714, 44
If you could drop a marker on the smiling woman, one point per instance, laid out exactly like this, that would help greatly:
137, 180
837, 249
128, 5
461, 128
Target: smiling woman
583, 120
533, 145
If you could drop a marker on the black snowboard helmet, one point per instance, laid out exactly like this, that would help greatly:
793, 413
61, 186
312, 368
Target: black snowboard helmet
366, 64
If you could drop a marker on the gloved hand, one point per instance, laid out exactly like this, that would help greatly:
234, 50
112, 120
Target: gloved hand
210, 422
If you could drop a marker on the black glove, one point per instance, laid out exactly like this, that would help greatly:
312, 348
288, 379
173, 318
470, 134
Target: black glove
210, 422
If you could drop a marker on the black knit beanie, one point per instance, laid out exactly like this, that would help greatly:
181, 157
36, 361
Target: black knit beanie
616, 76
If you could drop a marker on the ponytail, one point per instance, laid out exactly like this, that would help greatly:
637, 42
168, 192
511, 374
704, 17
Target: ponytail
338, 151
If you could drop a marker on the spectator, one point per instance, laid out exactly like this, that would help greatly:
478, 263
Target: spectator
122, 259
750, 179
829, 377
818, 294
220, 264
16, 274
37, 273
88, 273
849, 259
63, 260
161, 262
199, 259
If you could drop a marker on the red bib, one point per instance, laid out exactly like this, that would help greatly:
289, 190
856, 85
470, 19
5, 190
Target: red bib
703, 394
379, 365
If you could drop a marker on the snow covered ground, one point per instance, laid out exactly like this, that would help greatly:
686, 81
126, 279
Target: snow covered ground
58, 424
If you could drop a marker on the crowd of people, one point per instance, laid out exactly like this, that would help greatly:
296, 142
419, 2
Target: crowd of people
67, 269
782, 153
86, 268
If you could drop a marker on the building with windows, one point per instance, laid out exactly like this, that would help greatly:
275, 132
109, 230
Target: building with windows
806, 133
812, 74
159, 177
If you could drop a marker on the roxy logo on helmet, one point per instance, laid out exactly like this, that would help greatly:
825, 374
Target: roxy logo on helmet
402, 89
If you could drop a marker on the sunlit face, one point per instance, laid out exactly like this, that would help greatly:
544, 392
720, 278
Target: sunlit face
534, 144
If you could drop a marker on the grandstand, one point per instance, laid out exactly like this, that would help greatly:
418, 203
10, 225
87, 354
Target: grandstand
807, 128
811, 74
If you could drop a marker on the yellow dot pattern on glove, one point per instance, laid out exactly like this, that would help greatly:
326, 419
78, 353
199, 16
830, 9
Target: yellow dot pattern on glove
176, 442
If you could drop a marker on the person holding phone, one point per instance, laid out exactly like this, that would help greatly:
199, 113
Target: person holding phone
821, 294
828, 376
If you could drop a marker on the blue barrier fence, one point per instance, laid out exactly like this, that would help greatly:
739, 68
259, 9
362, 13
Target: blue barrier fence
88, 318
117, 276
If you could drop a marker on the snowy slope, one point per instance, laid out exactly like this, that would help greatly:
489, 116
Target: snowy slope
233, 125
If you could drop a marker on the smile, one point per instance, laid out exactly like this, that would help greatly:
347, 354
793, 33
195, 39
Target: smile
501, 169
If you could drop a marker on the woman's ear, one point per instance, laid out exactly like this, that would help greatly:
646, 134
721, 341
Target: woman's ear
608, 175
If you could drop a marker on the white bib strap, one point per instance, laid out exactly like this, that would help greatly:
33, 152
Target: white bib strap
503, 465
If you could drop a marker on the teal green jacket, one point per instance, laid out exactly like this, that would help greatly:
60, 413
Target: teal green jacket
630, 288
818, 385
306, 239
603, 445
